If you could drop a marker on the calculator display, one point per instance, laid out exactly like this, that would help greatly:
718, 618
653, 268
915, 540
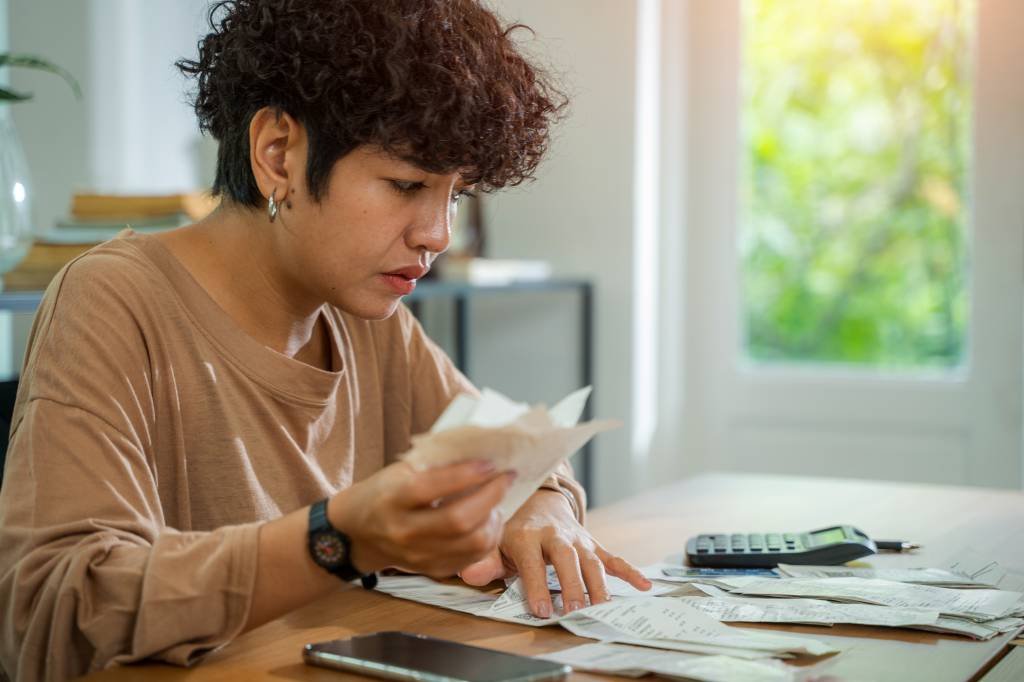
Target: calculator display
827, 537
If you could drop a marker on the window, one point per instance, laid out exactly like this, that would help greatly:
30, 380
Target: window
856, 133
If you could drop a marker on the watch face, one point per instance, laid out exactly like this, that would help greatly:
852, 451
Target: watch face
327, 549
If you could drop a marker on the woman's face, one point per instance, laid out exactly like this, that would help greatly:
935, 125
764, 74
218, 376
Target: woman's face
376, 231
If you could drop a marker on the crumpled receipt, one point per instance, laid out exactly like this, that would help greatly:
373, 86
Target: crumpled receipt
532, 441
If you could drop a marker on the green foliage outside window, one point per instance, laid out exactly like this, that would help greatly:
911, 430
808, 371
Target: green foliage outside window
854, 180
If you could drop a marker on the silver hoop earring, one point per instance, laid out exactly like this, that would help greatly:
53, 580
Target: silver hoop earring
272, 206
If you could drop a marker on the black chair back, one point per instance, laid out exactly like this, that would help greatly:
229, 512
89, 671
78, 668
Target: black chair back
8, 394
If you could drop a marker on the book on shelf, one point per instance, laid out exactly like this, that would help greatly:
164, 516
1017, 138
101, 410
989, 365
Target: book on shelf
195, 205
492, 271
40, 265
96, 218
77, 231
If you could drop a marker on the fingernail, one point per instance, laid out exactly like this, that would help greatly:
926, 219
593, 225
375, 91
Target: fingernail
542, 609
574, 606
485, 466
512, 475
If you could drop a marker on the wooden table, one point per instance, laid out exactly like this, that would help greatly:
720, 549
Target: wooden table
651, 526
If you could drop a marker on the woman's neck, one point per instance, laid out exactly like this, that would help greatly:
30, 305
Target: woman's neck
230, 255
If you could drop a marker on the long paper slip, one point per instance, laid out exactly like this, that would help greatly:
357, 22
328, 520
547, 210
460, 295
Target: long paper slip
531, 446
632, 661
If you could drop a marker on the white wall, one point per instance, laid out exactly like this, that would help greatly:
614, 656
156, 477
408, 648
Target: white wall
53, 126
6, 356
3, 25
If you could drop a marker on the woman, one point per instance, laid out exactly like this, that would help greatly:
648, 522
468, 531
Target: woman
210, 418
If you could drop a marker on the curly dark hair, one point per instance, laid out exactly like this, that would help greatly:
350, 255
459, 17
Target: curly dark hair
439, 83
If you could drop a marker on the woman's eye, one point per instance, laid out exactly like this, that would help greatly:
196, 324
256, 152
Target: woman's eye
406, 186
459, 195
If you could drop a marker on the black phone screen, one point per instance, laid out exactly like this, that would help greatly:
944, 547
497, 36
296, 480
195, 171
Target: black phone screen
397, 654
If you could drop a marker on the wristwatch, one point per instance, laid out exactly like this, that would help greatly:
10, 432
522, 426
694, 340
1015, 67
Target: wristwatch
331, 549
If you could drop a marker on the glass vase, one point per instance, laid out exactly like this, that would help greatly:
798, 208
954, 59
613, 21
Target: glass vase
16, 232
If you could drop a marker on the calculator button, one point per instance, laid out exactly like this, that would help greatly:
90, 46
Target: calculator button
790, 537
703, 550
774, 549
720, 550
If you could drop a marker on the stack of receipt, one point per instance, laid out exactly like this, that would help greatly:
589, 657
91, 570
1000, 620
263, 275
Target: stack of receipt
941, 600
648, 621
684, 616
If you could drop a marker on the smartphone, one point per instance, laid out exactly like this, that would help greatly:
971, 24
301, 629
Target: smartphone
405, 656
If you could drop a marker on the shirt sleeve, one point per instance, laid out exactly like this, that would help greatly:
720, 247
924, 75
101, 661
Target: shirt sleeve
90, 575
435, 383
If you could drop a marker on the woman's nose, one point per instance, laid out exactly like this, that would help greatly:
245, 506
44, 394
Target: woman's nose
433, 232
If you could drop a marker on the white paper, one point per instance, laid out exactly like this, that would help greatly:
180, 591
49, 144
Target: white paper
617, 587
977, 604
569, 409
458, 413
921, 576
654, 620
730, 608
975, 566
530, 441
655, 573
421, 589
494, 409
659, 622
631, 661
513, 607
963, 626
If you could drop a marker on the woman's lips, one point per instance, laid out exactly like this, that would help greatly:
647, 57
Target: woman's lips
403, 281
403, 286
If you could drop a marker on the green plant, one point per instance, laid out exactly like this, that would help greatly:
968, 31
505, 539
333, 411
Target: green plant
30, 62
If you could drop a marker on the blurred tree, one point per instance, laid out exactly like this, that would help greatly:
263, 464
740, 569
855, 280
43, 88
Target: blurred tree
856, 129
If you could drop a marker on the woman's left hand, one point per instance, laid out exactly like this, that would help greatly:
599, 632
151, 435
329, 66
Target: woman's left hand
545, 531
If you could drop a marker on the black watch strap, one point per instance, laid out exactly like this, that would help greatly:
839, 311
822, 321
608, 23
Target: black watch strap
331, 549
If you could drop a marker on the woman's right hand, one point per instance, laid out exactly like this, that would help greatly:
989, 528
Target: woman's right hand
435, 522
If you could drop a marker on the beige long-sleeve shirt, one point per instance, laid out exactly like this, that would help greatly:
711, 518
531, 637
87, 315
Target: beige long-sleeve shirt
152, 436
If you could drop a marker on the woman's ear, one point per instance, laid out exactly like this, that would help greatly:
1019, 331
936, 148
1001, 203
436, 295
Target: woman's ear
276, 151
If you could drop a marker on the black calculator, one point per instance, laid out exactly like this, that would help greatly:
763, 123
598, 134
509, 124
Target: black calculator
823, 547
